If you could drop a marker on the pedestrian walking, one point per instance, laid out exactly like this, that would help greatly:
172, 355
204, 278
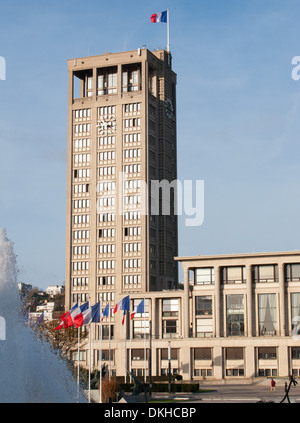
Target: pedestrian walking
273, 385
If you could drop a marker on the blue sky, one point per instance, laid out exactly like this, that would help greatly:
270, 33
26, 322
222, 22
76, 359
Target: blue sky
238, 123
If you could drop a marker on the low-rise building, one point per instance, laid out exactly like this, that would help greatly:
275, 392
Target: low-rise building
47, 308
236, 318
53, 290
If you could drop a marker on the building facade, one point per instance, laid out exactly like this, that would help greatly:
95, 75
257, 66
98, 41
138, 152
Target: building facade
236, 319
121, 136
242, 312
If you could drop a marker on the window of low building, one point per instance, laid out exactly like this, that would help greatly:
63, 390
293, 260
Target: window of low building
204, 276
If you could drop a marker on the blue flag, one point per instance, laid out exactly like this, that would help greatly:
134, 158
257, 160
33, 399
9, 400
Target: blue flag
105, 312
139, 309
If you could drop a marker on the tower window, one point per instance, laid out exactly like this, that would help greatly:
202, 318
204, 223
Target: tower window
131, 77
107, 81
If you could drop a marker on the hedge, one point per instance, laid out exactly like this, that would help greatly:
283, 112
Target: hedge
164, 378
163, 387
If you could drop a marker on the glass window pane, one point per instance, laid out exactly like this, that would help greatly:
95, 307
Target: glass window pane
165, 354
267, 314
170, 328
267, 273
235, 353
233, 274
204, 276
90, 82
204, 305
293, 272
202, 353
204, 328
170, 307
235, 315
295, 313
267, 353
296, 353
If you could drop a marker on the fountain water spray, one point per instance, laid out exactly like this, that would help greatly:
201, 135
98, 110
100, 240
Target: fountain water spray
29, 370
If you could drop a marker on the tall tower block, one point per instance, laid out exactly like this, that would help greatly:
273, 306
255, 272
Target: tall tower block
121, 136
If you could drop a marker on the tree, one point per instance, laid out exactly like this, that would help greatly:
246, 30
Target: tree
59, 300
32, 299
62, 340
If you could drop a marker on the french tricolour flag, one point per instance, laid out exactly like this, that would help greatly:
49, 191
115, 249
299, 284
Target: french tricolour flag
64, 316
139, 309
105, 312
69, 321
159, 17
122, 305
90, 315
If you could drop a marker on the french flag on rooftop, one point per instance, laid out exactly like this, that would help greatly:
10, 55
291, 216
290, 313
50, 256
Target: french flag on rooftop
159, 17
123, 304
90, 315
139, 309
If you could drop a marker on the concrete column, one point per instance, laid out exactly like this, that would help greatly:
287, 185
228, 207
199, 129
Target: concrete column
282, 308
249, 301
218, 363
154, 318
283, 361
185, 363
217, 302
249, 362
186, 313
158, 328
95, 83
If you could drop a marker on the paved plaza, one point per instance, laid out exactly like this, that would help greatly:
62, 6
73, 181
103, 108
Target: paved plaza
237, 394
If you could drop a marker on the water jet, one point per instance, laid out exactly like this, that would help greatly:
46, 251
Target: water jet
30, 371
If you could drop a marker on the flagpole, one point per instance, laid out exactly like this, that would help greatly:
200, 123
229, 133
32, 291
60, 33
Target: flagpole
130, 348
78, 351
125, 351
109, 367
92, 361
145, 348
100, 362
168, 31
90, 341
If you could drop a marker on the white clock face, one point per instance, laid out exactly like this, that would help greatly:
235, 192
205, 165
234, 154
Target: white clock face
169, 108
106, 125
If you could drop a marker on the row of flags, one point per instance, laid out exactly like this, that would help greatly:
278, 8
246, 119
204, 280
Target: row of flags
40, 320
84, 314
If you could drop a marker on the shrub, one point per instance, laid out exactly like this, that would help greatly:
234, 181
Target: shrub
109, 389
